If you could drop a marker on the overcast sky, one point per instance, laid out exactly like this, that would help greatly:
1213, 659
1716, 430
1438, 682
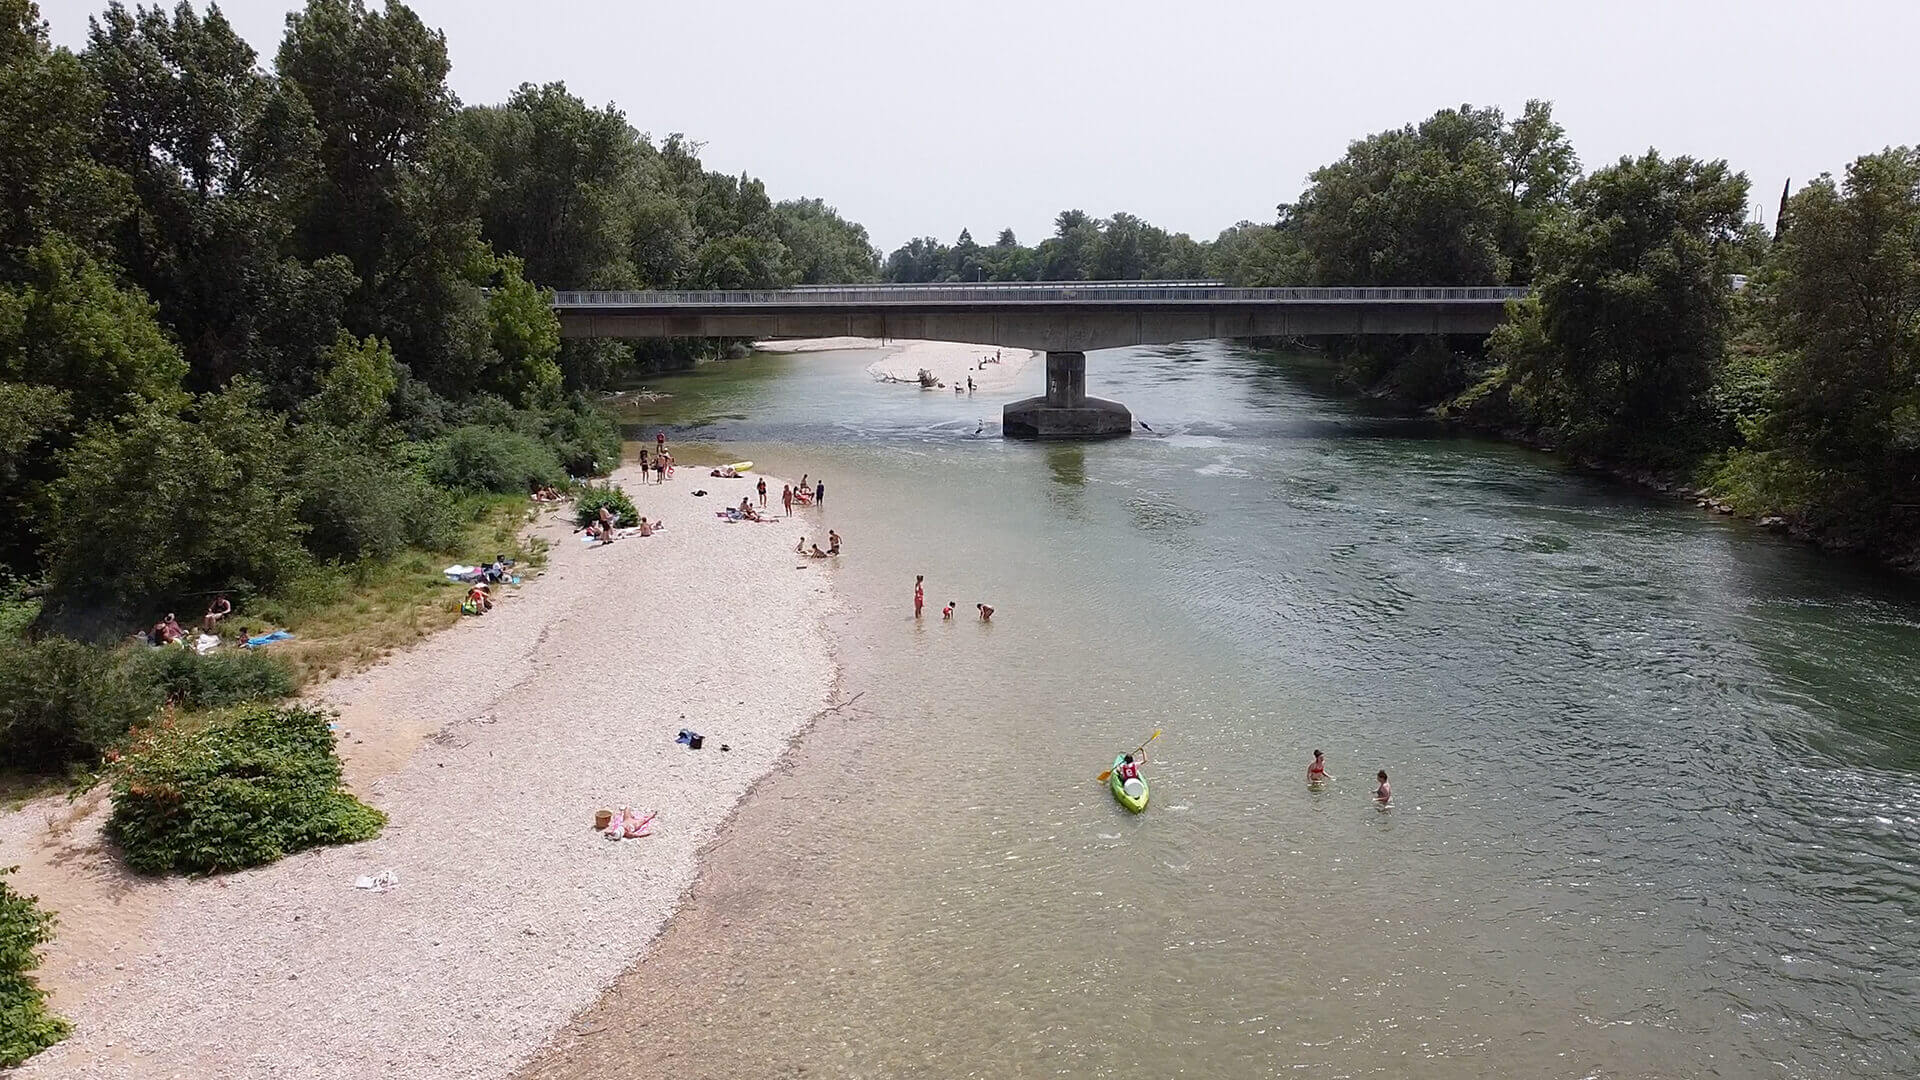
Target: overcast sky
918, 119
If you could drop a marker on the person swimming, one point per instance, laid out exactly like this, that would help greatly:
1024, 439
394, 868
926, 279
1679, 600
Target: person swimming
1317, 772
1384, 793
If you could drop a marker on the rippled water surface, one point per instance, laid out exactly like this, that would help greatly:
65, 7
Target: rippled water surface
1655, 772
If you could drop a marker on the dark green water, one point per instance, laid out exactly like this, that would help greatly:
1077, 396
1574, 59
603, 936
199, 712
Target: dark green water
1655, 773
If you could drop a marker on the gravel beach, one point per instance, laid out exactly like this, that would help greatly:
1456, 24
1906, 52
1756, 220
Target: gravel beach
950, 361
489, 746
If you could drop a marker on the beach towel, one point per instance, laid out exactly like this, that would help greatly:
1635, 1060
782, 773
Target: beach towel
206, 643
266, 639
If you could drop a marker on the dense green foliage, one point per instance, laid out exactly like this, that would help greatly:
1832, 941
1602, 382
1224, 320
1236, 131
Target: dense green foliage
256, 318
239, 791
1619, 345
64, 702
26, 1028
588, 500
1833, 438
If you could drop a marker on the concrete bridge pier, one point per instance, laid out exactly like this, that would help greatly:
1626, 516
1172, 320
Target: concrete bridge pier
1065, 411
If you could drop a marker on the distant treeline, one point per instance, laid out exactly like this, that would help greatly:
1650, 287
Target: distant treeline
1666, 334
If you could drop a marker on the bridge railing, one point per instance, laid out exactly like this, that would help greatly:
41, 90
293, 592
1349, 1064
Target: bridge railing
1085, 292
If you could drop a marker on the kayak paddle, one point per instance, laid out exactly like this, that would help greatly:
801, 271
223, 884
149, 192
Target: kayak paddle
1103, 777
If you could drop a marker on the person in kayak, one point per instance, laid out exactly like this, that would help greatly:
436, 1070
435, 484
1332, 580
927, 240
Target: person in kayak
1129, 769
1317, 773
1384, 793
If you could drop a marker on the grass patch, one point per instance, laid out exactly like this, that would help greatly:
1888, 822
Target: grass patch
346, 617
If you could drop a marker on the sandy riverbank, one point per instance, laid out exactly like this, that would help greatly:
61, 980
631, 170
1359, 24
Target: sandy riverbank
489, 746
950, 361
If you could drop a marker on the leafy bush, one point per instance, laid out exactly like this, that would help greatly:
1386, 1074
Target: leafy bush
586, 438
216, 680
63, 701
589, 498
160, 505
246, 789
357, 506
26, 1027
474, 458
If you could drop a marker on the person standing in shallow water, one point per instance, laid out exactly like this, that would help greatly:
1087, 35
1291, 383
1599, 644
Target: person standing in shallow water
1317, 772
919, 593
1384, 793
820, 493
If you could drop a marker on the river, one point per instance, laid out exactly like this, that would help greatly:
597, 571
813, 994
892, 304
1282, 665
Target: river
1656, 773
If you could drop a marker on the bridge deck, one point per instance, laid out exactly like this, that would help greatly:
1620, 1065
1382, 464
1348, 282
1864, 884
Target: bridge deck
1055, 316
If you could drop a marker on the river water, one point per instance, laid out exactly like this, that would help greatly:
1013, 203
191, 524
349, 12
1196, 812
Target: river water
1656, 774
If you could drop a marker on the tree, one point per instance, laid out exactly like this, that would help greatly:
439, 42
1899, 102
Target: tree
1844, 436
220, 156
158, 506
1621, 341
526, 337
560, 177
823, 247
49, 180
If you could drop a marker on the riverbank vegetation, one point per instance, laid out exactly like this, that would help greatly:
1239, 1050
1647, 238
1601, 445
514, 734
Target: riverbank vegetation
1668, 337
283, 333
26, 1027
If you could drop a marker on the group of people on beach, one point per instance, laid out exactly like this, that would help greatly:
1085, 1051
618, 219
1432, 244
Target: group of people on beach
605, 527
661, 465
1317, 777
985, 611
812, 551
168, 631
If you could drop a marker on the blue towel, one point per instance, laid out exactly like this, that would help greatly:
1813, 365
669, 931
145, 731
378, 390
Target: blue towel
267, 639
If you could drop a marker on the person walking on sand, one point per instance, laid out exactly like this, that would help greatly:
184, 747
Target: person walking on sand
986, 613
763, 493
786, 498
1384, 793
659, 441
919, 593
1317, 773
819, 493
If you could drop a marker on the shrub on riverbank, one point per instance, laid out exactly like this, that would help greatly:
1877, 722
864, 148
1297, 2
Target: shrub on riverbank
241, 790
63, 701
216, 680
474, 458
66, 702
26, 1027
588, 500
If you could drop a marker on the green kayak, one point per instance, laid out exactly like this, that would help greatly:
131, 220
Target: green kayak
1131, 794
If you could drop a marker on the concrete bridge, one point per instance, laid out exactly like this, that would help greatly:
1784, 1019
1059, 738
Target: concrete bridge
1066, 320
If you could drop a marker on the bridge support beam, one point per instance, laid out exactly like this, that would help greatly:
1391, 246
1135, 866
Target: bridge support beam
1065, 411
